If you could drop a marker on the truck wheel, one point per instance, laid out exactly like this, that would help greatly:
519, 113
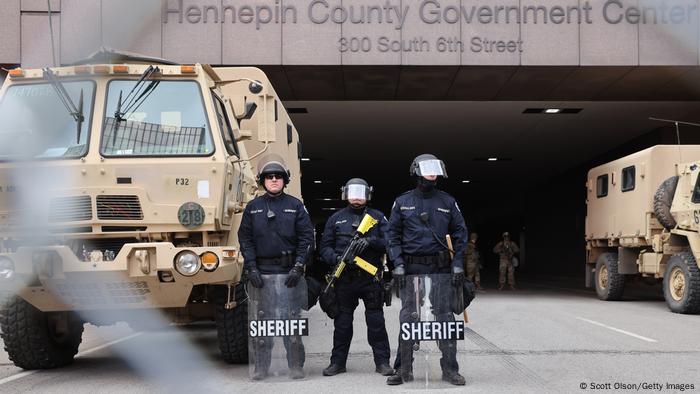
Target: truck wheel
663, 198
682, 284
232, 326
609, 284
39, 340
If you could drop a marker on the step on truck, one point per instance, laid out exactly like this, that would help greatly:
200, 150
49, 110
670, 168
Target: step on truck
643, 218
122, 184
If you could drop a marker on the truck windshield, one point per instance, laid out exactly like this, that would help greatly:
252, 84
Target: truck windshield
34, 123
168, 121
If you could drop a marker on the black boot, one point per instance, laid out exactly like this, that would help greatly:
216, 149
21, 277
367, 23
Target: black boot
296, 373
394, 380
333, 370
454, 378
259, 374
399, 377
384, 370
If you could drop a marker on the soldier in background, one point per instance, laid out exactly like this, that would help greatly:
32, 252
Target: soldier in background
473, 261
506, 249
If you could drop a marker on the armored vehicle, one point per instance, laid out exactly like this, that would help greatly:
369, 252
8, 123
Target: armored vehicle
643, 220
122, 184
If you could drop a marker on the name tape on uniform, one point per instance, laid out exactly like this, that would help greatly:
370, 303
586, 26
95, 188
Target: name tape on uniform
432, 330
279, 328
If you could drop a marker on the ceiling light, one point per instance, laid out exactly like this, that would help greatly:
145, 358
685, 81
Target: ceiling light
305, 159
329, 209
498, 159
552, 111
318, 181
465, 181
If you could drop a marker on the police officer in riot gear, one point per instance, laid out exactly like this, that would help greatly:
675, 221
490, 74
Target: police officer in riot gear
276, 236
354, 283
420, 220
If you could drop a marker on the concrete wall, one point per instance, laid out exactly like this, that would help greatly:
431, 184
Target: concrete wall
303, 32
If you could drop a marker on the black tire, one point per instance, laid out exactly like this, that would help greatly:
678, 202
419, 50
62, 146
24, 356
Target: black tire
31, 339
232, 326
663, 198
609, 283
682, 283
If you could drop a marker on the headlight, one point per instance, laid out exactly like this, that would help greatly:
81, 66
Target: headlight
7, 268
187, 263
210, 261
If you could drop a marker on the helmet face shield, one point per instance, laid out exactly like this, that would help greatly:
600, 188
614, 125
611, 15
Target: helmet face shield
431, 168
356, 192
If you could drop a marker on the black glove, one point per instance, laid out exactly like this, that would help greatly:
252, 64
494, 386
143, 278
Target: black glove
253, 276
457, 276
294, 275
399, 275
360, 245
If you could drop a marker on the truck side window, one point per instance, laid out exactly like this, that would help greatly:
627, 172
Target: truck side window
225, 125
628, 178
602, 186
696, 192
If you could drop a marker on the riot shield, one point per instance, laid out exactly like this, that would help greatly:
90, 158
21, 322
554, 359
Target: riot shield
429, 334
277, 321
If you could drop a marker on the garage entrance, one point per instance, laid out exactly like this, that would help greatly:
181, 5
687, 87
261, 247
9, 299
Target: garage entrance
517, 142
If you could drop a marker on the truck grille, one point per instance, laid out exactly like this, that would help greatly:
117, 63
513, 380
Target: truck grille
119, 208
70, 209
109, 293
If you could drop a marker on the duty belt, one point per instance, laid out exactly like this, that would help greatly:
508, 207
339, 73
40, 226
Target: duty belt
440, 259
284, 261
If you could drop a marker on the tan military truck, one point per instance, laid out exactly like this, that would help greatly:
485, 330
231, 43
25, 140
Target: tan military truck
122, 184
643, 220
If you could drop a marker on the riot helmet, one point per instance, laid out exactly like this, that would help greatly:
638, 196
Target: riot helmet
272, 164
428, 165
356, 188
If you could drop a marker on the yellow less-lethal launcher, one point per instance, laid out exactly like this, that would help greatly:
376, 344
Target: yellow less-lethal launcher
349, 256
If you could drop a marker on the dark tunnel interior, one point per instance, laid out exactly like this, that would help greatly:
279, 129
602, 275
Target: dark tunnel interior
535, 190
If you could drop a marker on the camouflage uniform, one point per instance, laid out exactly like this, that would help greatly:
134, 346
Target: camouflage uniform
472, 263
506, 249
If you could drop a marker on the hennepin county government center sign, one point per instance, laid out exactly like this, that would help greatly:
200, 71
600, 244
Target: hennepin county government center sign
429, 12
362, 32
